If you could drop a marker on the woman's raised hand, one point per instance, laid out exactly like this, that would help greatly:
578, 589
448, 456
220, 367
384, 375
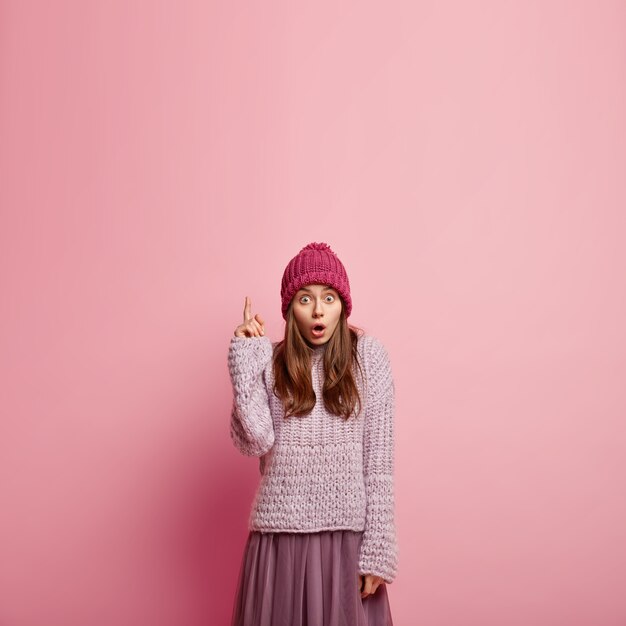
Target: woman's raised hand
253, 326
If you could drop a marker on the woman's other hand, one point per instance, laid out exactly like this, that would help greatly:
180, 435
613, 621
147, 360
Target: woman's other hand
369, 585
253, 326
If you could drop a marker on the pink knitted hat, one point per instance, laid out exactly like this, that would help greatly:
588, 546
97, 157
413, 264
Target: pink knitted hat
315, 264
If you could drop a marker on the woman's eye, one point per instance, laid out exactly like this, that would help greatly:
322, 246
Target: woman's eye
305, 299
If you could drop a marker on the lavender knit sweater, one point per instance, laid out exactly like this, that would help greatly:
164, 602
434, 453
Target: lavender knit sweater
320, 472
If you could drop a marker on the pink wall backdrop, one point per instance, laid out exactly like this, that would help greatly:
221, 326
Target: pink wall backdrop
160, 161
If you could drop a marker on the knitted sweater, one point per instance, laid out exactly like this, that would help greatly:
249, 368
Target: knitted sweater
319, 471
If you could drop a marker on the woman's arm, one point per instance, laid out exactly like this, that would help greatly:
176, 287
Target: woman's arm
251, 427
379, 551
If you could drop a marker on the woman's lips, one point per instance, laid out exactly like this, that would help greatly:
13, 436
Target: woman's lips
318, 333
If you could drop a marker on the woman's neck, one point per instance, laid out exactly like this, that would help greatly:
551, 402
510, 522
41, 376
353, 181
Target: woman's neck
319, 349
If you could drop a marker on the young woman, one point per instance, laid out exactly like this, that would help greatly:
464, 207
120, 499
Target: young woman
317, 408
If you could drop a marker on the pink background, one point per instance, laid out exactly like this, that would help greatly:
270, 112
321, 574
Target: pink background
161, 161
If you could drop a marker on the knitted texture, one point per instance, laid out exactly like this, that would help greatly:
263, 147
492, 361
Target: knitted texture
315, 264
319, 471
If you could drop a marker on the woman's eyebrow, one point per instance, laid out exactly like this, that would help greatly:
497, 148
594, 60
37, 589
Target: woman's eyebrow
311, 291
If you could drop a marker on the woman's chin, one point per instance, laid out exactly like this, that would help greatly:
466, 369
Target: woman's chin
315, 342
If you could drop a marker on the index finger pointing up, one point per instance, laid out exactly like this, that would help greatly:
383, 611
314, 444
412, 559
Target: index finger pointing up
247, 310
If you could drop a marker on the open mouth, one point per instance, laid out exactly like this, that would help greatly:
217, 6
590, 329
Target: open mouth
318, 330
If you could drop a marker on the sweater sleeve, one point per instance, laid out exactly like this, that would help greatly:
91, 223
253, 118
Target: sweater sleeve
251, 427
379, 550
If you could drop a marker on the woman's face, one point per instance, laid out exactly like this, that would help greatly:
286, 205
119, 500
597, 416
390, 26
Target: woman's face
313, 305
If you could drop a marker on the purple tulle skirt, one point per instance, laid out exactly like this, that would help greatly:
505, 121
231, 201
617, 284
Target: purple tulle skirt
305, 579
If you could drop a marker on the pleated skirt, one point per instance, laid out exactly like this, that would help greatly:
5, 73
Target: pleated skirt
305, 579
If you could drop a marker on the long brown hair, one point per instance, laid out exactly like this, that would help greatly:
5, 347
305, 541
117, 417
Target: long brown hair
292, 370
